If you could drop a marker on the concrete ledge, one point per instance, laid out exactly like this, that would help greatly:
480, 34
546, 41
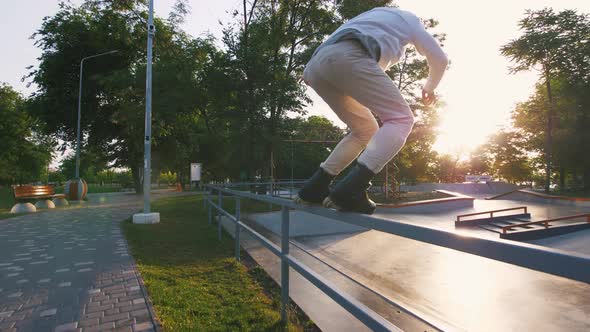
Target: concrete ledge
45, 204
537, 234
304, 224
23, 208
146, 218
528, 195
456, 201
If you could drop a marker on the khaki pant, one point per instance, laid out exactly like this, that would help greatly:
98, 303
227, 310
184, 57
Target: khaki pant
353, 85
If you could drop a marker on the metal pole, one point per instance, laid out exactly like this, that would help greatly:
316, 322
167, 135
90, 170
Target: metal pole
148, 113
284, 263
79, 129
292, 162
237, 229
79, 120
209, 210
219, 202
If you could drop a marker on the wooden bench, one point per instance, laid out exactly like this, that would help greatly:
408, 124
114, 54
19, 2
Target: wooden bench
44, 196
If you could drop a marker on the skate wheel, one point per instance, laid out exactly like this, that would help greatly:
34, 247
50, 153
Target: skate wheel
330, 205
300, 201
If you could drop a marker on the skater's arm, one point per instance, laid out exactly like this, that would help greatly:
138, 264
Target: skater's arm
437, 59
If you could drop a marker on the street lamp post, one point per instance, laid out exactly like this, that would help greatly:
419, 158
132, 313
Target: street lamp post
80, 109
76, 189
147, 217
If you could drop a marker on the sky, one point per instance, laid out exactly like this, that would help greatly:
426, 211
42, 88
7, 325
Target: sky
478, 90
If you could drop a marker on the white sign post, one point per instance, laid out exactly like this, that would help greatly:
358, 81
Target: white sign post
196, 172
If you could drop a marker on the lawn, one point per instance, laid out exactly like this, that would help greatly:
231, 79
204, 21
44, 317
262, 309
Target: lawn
193, 279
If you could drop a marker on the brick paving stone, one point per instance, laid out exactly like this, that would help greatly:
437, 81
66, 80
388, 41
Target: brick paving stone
88, 322
67, 327
97, 314
6, 314
6, 325
109, 301
48, 312
42, 254
133, 307
101, 327
111, 311
122, 304
99, 308
113, 318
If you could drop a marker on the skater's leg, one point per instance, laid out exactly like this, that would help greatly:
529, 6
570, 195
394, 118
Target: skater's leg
358, 118
374, 89
360, 121
350, 71
355, 74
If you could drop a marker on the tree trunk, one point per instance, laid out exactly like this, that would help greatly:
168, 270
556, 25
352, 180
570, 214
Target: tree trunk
549, 148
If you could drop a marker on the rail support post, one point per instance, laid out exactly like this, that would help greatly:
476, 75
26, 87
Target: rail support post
284, 264
209, 217
219, 203
237, 229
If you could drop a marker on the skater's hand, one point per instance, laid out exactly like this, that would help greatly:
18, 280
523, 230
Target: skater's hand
428, 97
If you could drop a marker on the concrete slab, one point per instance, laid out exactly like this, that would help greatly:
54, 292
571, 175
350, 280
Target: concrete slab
325, 313
304, 224
461, 290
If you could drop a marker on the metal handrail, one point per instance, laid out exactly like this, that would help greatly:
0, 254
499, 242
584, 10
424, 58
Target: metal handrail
491, 213
552, 261
546, 222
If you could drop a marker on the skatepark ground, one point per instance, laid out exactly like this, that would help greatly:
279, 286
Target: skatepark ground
448, 289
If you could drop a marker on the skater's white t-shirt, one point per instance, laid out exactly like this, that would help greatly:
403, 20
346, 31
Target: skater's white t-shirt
385, 32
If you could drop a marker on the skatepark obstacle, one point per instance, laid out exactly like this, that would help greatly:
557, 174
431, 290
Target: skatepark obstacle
556, 262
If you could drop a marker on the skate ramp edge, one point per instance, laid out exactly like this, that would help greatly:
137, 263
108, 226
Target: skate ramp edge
454, 202
304, 224
488, 188
532, 196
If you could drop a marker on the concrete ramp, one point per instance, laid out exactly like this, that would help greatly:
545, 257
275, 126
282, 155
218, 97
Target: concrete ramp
304, 224
489, 188
539, 198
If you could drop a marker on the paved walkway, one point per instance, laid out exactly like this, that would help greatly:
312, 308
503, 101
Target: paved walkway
70, 270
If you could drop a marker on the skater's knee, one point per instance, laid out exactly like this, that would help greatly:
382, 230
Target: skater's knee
363, 135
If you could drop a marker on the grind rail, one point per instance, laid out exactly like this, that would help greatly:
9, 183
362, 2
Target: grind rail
552, 261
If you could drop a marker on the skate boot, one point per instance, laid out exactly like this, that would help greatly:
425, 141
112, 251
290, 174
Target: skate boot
350, 193
316, 188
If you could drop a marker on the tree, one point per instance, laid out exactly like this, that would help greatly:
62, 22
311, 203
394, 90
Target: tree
509, 157
25, 153
268, 46
554, 43
114, 87
449, 169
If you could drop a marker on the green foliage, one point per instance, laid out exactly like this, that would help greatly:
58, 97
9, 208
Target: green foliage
510, 158
351, 8
25, 153
558, 45
228, 108
167, 178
